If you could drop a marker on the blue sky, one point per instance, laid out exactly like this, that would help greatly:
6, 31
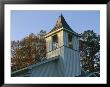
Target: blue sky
24, 22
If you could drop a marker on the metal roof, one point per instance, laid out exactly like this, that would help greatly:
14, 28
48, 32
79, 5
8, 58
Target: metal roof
44, 61
62, 24
26, 69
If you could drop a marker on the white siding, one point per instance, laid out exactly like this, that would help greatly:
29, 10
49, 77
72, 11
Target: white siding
48, 44
47, 50
77, 43
74, 43
61, 40
55, 52
71, 62
65, 38
75, 63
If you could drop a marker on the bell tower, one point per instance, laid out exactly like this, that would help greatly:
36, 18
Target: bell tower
62, 41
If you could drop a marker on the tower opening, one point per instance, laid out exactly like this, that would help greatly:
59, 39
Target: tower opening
54, 42
70, 45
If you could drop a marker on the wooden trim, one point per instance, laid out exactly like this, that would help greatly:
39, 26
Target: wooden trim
64, 46
72, 48
54, 32
74, 33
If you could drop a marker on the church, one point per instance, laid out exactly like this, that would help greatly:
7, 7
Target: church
62, 54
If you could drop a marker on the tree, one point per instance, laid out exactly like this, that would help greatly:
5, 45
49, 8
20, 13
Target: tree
89, 48
30, 50
42, 33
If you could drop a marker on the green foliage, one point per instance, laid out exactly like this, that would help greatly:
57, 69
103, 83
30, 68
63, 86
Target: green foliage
89, 48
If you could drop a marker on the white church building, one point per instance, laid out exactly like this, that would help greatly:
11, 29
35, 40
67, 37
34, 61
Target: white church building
63, 56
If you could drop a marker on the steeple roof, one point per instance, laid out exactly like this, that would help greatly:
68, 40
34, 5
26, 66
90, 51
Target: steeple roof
61, 23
